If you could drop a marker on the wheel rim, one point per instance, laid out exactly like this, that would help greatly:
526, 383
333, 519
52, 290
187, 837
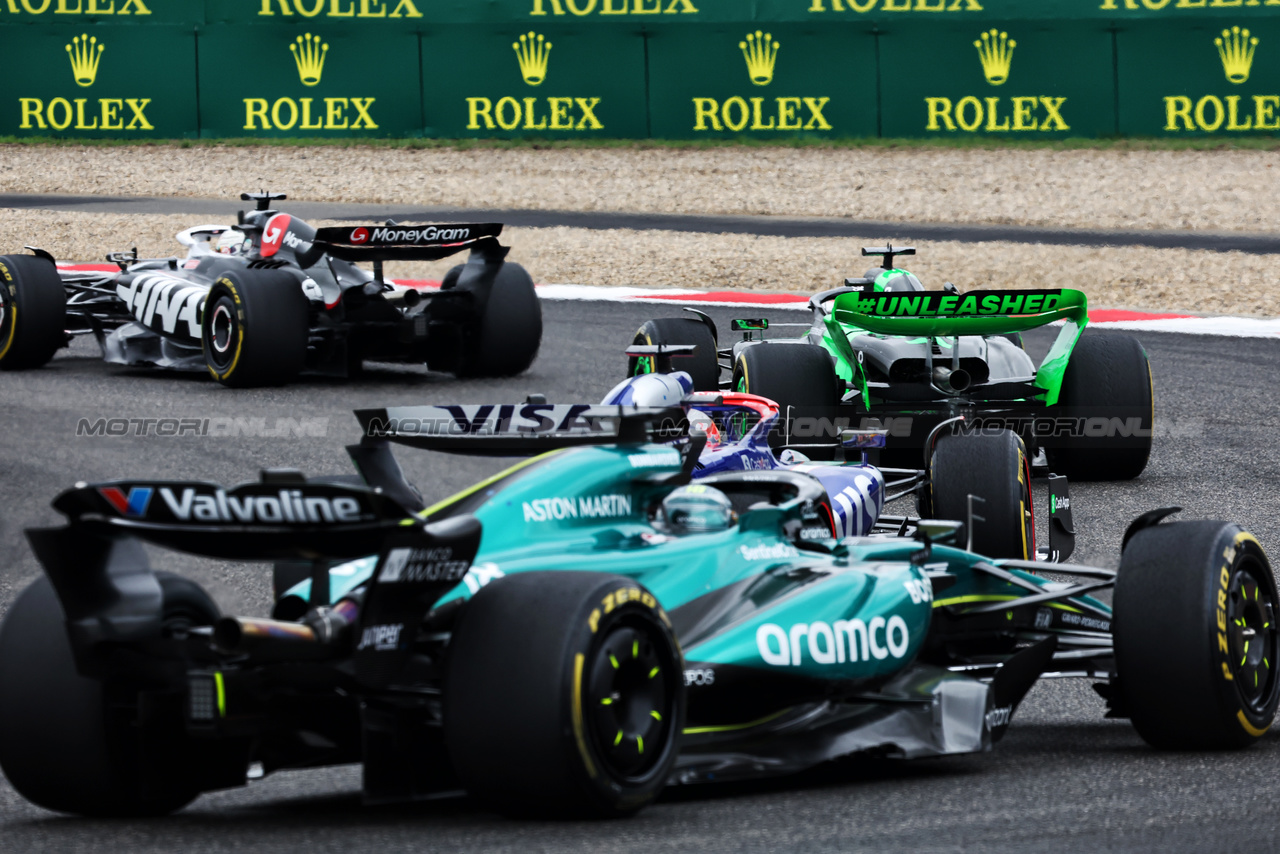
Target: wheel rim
1251, 617
630, 720
643, 364
224, 329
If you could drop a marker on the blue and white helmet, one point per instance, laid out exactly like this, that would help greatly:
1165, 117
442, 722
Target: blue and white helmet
650, 390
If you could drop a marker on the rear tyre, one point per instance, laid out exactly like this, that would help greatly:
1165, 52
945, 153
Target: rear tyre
564, 694
65, 745
510, 329
255, 328
800, 378
993, 468
33, 312
703, 365
1108, 379
1196, 636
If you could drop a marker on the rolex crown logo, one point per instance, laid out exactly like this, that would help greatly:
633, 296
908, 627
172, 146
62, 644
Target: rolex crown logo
308, 52
1236, 48
761, 52
995, 49
533, 52
85, 53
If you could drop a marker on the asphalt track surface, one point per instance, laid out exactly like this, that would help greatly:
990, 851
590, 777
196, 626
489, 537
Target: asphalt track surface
1262, 244
1064, 778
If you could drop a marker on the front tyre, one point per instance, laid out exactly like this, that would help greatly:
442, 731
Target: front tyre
66, 744
255, 328
1107, 384
800, 378
33, 312
703, 366
1196, 636
564, 694
994, 469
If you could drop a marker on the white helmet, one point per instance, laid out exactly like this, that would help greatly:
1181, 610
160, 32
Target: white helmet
232, 242
650, 390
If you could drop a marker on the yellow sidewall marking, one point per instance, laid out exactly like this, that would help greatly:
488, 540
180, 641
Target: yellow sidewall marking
579, 730
1250, 728
13, 329
239, 332
1240, 538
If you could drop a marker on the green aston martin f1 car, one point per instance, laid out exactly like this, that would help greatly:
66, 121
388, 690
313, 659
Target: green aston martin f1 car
583, 629
884, 352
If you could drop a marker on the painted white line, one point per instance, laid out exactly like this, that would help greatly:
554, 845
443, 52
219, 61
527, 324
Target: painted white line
1234, 327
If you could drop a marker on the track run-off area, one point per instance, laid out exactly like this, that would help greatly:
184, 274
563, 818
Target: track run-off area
1064, 777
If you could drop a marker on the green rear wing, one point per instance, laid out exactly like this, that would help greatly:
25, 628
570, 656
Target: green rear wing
939, 314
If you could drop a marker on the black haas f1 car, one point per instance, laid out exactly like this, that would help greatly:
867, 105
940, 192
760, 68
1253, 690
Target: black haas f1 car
259, 302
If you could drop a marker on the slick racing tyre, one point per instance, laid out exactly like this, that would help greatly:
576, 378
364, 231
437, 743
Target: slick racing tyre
69, 743
995, 470
564, 694
255, 328
703, 365
800, 378
33, 312
509, 332
1196, 636
1106, 390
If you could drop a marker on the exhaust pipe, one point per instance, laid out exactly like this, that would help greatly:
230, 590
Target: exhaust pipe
952, 382
319, 636
269, 638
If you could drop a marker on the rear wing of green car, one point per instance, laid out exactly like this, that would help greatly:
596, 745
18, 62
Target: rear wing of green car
940, 314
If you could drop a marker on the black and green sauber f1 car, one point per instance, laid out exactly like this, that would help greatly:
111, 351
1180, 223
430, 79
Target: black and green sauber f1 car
883, 352
581, 630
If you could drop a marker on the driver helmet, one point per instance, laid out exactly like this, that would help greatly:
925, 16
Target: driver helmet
650, 390
697, 509
898, 280
232, 242
701, 422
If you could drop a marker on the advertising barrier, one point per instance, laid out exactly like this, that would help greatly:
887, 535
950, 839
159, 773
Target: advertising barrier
636, 69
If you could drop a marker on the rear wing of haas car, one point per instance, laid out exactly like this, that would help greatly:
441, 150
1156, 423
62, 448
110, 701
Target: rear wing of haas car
409, 242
